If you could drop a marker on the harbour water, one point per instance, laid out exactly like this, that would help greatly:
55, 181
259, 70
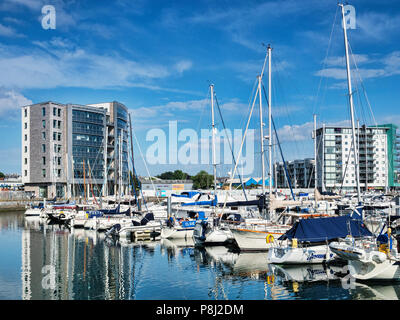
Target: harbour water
51, 262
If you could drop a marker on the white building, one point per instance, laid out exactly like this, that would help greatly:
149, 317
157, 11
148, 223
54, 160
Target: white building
336, 162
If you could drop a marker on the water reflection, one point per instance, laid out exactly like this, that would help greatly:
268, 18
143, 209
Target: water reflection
58, 263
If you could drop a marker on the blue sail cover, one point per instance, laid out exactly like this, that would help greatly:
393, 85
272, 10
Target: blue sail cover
322, 229
188, 194
213, 203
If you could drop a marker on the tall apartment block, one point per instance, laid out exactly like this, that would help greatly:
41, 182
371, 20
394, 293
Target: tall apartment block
68, 146
336, 162
301, 173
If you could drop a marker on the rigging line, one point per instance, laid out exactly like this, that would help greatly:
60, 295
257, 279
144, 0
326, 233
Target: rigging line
325, 60
279, 145
240, 152
347, 164
362, 85
312, 171
230, 145
145, 165
285, 104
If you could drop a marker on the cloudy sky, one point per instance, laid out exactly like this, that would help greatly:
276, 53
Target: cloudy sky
159, 57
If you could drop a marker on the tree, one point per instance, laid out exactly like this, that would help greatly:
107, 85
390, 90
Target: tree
133, 181
2, 175
203, 180
176, 175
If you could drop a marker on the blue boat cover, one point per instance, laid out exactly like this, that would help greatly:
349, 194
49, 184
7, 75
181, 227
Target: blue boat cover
213, 203
186, 194
322, 229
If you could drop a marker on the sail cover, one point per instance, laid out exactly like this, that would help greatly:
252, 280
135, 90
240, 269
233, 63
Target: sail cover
322, 229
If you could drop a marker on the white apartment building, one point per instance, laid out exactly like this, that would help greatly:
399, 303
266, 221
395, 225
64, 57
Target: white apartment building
336, 161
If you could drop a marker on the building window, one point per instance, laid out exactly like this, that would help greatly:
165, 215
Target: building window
44, 123
26, 149
43, 148
26, 137
59, 173
59, 124
54, 123
26, 112
59, 161
59, 112
59, 136
44, 173
54, 111
26, 173
44, 160
43, 111
54, 136
26, 125
26, 161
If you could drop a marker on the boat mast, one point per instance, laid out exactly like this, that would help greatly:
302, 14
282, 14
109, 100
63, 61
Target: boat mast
213, 138
270, 120
315, 151
261, 137
315, 157
351, 104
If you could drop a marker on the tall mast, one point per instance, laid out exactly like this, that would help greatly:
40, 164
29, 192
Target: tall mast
356, 165
270, 120
213, 138
261, 137
315, 152
84, 180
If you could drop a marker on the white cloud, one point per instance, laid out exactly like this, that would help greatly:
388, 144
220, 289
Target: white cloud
385, 66
60, 63
183, 65
8, 32
11, 103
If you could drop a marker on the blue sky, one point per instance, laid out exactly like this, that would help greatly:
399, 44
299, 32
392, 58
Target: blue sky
158, 58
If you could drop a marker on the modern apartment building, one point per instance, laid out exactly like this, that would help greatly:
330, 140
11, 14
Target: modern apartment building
393, 146
301, 173
68, 146
336, 162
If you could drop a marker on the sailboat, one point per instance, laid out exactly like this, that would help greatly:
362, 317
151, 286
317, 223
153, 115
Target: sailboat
307, 241
369, 258
212, 231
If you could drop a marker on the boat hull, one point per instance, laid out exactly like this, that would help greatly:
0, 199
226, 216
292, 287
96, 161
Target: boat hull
250, 240
176, 233
306, 255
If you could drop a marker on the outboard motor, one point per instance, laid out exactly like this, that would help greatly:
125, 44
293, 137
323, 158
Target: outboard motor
113, 230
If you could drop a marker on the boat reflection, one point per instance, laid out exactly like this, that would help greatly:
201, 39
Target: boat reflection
378, 291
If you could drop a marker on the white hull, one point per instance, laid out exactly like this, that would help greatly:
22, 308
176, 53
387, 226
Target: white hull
249, 240
176, 233
386, 270
138, 232
305, 255
214, 236
33, 212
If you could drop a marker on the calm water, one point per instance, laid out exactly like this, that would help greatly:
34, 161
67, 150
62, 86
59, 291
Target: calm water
51, 262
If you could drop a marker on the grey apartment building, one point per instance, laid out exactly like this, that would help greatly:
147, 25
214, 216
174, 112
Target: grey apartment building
71, 150
301, 173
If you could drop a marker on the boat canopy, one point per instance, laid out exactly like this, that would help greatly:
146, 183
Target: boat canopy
213, 203
323, 229
185, 194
